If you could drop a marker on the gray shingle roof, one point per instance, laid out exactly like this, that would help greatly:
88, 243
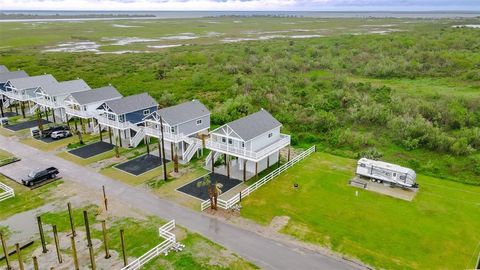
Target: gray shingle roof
96, 95
66, 87
131, 103
32, 82
4, 77
254, 125
3, 69
183, 112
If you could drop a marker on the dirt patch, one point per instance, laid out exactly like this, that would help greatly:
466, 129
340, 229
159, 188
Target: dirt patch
278, 223
49, 259
107, 162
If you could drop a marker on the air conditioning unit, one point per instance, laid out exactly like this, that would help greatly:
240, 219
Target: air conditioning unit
4, 121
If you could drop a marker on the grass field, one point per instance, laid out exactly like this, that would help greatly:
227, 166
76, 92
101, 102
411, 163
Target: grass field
440, 229
25, 199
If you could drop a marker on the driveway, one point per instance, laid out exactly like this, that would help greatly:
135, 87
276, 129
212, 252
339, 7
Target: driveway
265, 253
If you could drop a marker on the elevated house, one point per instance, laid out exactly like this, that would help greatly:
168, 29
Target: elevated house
23, 89
4, 78
52, 96
124, 116
84, 104
253, 141
182, 126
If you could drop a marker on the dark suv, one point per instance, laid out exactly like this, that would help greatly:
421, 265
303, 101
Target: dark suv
37, 177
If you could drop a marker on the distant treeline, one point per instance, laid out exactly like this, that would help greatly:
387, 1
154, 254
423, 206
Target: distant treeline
19, 16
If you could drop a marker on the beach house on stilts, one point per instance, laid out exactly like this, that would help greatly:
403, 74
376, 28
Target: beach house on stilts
124, 118
183, 125
249, 145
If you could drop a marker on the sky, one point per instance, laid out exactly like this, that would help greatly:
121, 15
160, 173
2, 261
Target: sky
247, 5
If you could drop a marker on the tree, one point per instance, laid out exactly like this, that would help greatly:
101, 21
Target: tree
38, 114
117, 149
80, 137
212, 190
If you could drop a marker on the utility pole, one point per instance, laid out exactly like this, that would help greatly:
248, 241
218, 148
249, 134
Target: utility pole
89, 241
122, 239
42, 236
5, 251
70, 216
163, 152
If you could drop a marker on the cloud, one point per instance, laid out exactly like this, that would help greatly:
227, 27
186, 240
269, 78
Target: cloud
304, 5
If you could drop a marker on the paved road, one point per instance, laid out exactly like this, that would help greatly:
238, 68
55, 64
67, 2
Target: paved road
264, 252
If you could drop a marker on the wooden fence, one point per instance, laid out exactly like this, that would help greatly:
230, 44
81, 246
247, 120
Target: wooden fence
247, 191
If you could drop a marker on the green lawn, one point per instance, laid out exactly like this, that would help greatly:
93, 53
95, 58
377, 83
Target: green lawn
439, 229
25, 199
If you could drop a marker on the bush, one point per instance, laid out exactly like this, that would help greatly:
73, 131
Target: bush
371, 153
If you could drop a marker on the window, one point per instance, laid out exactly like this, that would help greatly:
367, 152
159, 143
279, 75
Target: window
111, 117
230, 141
270, 135
394, 174
199, 122
172, 129
121, 118
224, 140
243, 145
146, 112
403, 177
362, 165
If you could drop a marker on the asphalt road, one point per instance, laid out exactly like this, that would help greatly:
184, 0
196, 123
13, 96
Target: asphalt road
265, 253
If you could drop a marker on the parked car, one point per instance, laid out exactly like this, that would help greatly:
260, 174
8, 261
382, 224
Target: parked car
60, 134
48, 131
37, 177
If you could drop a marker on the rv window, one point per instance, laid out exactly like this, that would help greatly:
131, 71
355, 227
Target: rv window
199, 121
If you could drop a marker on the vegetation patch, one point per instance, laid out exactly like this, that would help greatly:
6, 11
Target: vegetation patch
440, 228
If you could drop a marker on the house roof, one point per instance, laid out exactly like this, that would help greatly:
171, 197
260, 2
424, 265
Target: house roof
131, 103
66, 87
6, 76
183, 112
254, 125
32, 82
96, 95
3, 69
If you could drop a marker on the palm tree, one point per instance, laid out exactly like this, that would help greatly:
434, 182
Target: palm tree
212, 190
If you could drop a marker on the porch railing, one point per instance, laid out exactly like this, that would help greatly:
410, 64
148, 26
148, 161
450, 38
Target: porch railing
216, 146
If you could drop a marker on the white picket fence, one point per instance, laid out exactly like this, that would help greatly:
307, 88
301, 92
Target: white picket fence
8, 192
247, 191
169, 241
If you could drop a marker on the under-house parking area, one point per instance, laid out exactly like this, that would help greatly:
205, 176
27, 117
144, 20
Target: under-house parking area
140, 165
223, 182
25, 125
92, 150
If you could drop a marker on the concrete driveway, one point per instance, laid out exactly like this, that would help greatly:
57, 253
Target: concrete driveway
264, 252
